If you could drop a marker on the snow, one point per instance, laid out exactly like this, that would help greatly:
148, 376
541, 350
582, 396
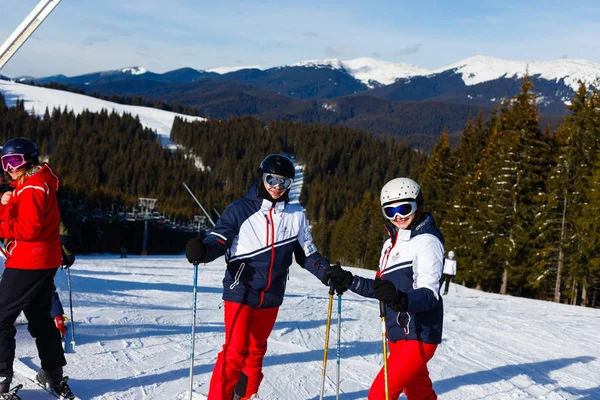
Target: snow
132, 325
368, 70
480, 69
135, 70
38, 99
474, 70
225, 70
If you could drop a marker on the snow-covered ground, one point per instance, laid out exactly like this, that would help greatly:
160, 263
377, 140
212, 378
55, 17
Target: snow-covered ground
38, 99
133, 323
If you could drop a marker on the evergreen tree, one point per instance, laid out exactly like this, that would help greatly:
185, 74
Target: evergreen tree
438, 178
561, 224
515, 173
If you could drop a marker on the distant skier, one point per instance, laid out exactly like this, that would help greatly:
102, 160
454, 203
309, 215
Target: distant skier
449, 271
30, 221
123, 251
259, 235
407, 281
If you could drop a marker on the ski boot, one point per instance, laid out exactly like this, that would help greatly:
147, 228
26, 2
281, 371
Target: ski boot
60, 325
9, 394
55, 383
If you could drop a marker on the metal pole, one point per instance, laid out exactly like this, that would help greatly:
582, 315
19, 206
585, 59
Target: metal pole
382, 313
326, 347
25, 29
339, 345
71, 308
198, 202
193, 338
145, 238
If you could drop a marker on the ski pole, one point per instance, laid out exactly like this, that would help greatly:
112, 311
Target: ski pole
193, 338
199, 204
384, 341
339, 330
71, 308
326, 347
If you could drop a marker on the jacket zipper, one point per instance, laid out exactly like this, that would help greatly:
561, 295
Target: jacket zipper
262, 295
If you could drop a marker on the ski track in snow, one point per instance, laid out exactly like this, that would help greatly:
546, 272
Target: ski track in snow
133, 324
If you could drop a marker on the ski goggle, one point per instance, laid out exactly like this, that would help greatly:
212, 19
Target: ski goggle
279, 182
403, 209
14, 161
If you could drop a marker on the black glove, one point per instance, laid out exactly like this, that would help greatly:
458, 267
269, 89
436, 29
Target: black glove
340, 278
5, 187
68, 258
194, 250
386, 292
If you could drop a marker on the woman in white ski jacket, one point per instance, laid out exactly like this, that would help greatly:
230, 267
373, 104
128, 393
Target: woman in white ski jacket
407, 281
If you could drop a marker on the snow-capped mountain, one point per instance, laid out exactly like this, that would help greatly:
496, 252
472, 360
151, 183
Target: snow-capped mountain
481, 69
371, 72
134, 70
473, 70
226, 70
376, 73
476, 82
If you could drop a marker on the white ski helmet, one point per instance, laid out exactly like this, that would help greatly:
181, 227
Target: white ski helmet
401, 189
450, 254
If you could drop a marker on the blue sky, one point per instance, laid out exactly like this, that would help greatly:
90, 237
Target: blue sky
84, 36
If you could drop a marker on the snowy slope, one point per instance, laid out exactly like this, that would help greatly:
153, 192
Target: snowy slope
38, 99
473, 70
133, 322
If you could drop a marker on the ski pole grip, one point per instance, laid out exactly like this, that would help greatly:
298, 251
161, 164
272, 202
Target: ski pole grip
331, 288
382, 310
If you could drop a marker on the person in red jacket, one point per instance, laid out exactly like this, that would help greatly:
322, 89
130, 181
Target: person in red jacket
29, 221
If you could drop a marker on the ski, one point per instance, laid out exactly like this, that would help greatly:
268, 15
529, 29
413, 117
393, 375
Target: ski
24, 371
11, 394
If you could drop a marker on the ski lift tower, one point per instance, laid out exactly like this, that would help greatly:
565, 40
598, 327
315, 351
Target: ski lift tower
200, 221
147, 205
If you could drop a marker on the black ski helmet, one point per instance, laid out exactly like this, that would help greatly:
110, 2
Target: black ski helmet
277, 164
23, 146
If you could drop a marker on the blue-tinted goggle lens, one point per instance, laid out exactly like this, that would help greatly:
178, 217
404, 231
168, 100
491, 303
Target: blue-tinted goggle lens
404, 210
277, 181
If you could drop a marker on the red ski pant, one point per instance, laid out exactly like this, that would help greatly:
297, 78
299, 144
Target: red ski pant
407, 371
246, 333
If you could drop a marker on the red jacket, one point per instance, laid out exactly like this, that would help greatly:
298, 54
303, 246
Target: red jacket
30, 222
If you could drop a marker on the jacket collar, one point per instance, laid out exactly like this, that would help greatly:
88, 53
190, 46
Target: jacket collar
264, 204
426, 224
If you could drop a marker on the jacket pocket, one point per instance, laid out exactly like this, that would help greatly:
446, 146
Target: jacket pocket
403, 319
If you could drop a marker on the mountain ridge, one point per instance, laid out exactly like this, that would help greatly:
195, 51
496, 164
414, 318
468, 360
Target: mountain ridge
374, 73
